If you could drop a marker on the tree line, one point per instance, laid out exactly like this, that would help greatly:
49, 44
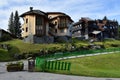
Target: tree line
14, 25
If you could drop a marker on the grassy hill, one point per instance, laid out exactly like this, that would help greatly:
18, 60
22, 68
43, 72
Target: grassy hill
98, 66
28, 47
19, 47
4, 55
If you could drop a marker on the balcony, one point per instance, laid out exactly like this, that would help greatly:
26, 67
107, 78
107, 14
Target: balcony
77, 34
62, 25
52, 25
74, 29
40, 31
51, 32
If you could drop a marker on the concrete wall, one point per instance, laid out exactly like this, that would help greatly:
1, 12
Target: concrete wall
30, 25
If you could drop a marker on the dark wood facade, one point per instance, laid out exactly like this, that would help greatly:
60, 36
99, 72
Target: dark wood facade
107, 28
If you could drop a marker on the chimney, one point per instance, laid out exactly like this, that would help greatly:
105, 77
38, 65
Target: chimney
31, 8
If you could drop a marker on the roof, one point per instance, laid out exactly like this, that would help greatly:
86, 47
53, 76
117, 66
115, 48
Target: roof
60, 15
31, 12
77, 23
2, 30
96, 32
55, 13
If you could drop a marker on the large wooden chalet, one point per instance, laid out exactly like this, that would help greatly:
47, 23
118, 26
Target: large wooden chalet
41, 27
100, 29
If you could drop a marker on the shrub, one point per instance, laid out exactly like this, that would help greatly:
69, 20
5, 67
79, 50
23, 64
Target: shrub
115, 45
18, 66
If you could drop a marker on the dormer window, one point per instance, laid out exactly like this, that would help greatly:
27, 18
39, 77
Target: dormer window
50, 17
55, 23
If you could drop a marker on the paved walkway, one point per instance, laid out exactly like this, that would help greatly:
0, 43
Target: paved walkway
83, 55
45, 76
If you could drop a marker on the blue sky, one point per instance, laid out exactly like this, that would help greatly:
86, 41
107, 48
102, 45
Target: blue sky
94, 9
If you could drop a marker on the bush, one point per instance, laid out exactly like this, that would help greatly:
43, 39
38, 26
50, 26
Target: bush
18, 66
115, 45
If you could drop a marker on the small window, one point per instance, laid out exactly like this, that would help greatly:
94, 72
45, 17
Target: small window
62, 30
50, 17
22, 29
55, 30
55, 23
26, 29
27, 20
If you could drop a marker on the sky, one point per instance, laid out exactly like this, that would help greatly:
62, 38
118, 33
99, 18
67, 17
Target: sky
94, 9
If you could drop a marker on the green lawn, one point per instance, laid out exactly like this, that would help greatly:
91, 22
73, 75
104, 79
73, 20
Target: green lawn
20, 47
28, 47
4, 55
98, 66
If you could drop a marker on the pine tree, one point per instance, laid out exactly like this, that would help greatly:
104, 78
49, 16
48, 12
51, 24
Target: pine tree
105, 18
17, 25
11, 24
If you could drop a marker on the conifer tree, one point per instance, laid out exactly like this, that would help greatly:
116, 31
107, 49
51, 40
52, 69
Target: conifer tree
17, 25
11, 24
105, 18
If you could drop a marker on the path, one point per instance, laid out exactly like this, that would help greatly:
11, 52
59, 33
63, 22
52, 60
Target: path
70, 57
25, 75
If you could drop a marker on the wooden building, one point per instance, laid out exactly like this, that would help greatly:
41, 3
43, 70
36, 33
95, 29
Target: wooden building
41, 27
59, 23
99, 29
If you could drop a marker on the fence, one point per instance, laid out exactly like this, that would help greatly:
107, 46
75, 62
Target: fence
43, 65
81, 52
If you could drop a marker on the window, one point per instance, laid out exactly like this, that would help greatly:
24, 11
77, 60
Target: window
62, 30
27, 20
26, 29
22, 29
63, 22
39, 20
55, 23
55, 30
50, 17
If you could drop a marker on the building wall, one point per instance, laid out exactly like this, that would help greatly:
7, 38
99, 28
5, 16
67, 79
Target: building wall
108, 29
32, 27
61, 31
29, 26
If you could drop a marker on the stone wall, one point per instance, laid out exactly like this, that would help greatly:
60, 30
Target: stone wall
63, 39
35, 39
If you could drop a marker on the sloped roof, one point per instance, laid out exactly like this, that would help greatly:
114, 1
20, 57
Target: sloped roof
96, 32
55, 13
60, 14
31, 12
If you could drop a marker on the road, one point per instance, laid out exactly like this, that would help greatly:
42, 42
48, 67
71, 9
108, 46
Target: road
25, 75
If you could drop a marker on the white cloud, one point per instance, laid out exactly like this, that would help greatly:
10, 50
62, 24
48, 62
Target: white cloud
3, 2
75, 8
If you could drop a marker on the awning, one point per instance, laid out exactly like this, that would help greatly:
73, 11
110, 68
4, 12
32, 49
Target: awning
96, 32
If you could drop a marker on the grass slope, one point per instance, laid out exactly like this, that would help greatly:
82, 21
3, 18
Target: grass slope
98, 66
28, 47
4, 55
